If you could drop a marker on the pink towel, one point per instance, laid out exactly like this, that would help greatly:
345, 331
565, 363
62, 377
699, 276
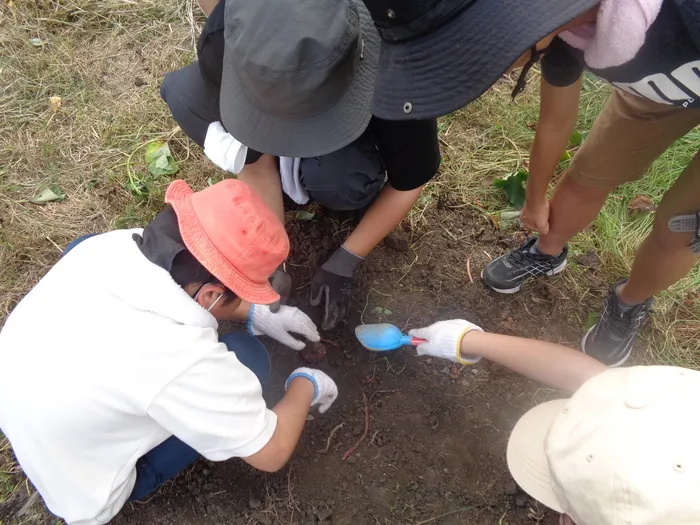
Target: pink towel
618, 33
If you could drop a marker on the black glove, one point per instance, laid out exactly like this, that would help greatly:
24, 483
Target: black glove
334, 281
335, 290
282, 284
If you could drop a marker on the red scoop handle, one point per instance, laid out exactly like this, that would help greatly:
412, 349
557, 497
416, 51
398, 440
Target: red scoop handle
415, 341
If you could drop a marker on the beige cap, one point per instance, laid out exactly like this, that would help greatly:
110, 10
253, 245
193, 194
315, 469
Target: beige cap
625, 449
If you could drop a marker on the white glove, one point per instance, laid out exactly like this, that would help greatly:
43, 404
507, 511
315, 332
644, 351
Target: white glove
261, 321
223, 149
325, 390
444, 340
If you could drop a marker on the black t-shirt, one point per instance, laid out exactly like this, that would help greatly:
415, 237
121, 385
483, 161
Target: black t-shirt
666, 69
410, 149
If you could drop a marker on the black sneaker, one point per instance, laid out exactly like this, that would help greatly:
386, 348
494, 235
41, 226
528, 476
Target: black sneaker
507, 273
610, 340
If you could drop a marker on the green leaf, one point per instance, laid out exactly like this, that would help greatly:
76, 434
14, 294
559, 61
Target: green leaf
591, 319
303, 215
154, 150
565, 156
381, 310
513, 186
137, 188
159, 159
576, 139
162, 162
48, 194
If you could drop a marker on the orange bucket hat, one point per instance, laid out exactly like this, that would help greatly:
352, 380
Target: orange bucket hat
233, 234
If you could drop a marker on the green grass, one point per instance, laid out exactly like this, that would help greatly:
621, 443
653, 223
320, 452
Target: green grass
491, 138
616, 235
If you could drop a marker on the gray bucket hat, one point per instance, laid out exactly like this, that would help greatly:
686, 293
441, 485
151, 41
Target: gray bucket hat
439, 55
298, 75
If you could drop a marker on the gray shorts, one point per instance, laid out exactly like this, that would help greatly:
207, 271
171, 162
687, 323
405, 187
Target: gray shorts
347, 179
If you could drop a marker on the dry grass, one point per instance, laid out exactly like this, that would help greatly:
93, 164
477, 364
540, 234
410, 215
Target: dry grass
106, 59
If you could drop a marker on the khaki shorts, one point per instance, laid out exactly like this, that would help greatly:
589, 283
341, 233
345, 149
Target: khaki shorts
628, 136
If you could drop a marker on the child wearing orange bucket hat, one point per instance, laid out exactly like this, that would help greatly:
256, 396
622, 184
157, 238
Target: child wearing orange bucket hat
128, 382
622, 450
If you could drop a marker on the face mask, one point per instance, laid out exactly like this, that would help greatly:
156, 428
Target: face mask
212, 304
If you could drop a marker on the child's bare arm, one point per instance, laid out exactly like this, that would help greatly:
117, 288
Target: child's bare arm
553, 365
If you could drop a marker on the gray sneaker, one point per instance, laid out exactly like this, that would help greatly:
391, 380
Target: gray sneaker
610, 339
507, 273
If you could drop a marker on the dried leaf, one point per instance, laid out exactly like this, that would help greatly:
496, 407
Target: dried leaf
38, 42
641, 203
48, 194
56, 103
589, 259
691, 299
510, 325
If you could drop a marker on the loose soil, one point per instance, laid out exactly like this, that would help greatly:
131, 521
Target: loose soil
437, 433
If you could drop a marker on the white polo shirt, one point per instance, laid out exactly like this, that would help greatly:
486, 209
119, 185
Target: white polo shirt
103, 360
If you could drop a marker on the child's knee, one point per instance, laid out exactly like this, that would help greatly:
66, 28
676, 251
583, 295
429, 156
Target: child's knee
347, 179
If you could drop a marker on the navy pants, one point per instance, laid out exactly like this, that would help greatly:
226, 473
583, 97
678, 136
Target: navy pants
172, 455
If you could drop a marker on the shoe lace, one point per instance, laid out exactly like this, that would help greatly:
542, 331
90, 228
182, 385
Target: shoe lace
524, 257
520, 257
617, 321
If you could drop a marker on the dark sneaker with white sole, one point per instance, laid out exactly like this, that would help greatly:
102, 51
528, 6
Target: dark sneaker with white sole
610, 339
507, 273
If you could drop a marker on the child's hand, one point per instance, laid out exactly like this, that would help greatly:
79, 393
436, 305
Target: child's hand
325, 389
280, 325
445, 340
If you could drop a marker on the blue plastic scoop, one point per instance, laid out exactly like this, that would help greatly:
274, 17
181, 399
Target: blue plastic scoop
383, 337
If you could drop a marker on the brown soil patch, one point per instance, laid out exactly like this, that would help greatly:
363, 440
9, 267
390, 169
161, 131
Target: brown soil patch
437, 434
